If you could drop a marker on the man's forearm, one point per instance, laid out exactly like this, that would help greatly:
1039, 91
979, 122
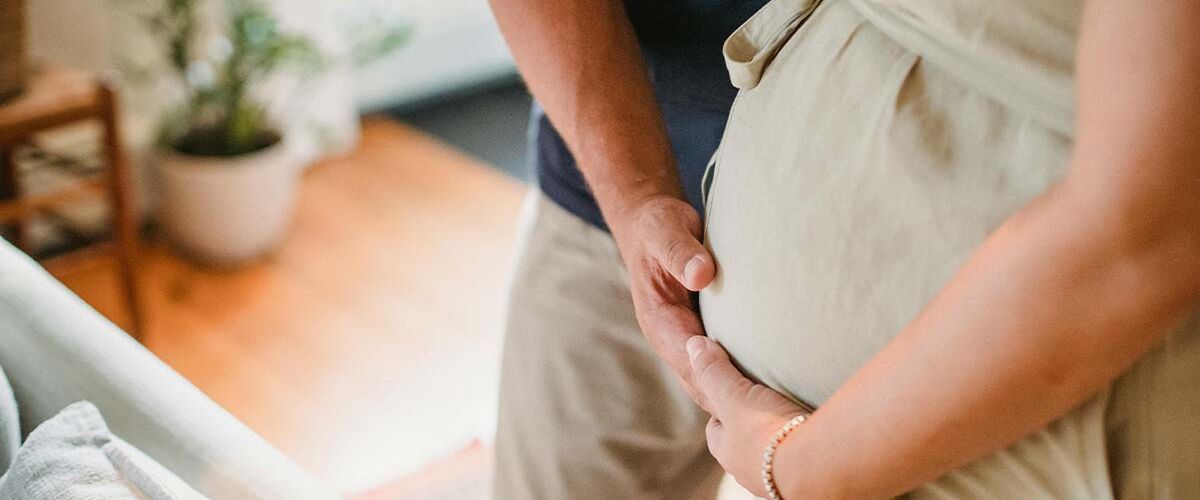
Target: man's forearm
582, 62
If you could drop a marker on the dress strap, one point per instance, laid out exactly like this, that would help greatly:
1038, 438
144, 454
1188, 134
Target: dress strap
751, 47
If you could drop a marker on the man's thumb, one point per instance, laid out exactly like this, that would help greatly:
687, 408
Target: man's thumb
687, 260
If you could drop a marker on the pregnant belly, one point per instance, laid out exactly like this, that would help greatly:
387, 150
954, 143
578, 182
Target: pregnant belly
806, 293
823, 258
815, 278
850, 185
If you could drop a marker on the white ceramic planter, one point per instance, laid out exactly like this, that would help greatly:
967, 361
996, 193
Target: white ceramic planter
225, 210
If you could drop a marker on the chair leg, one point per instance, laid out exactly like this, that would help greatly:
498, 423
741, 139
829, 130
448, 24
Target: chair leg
10, 190
125, 229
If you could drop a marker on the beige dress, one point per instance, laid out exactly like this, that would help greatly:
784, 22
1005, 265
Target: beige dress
873, 146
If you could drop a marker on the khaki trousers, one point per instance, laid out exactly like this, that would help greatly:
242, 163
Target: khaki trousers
587, 411
854, 178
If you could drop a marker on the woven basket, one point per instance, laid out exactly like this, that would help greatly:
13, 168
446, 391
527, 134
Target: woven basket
13, 65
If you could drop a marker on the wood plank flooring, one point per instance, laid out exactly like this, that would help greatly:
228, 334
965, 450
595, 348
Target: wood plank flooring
366, 346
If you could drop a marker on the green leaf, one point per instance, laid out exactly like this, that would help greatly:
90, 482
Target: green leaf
377, 38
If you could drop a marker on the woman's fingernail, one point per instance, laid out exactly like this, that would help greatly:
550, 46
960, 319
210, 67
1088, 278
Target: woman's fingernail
692, 267
695, 346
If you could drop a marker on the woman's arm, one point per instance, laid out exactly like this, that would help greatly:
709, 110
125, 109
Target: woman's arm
1057, 303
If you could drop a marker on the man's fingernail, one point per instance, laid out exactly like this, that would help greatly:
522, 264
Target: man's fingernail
695, 346
692, 267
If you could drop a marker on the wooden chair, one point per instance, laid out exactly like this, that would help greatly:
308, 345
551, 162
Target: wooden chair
54, 97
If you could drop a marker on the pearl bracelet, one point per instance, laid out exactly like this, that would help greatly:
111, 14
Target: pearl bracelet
768, 459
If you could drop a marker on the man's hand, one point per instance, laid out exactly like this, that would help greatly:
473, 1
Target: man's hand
659, 239
582, 62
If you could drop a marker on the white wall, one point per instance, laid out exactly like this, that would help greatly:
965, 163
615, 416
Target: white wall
455, 44
74, 32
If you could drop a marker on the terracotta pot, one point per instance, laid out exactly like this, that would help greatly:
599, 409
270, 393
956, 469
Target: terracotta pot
13, 64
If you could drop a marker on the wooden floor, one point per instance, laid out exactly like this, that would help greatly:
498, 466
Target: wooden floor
367, 342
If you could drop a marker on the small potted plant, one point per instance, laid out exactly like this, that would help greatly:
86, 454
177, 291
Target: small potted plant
227, 179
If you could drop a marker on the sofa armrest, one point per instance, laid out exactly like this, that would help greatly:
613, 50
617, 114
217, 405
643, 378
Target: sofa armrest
58, 350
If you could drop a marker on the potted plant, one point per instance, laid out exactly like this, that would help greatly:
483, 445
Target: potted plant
227, 179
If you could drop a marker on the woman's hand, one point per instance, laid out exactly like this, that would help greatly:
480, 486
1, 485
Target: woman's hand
745, 415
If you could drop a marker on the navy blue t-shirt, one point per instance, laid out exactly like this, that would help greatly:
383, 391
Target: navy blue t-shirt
681, 41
